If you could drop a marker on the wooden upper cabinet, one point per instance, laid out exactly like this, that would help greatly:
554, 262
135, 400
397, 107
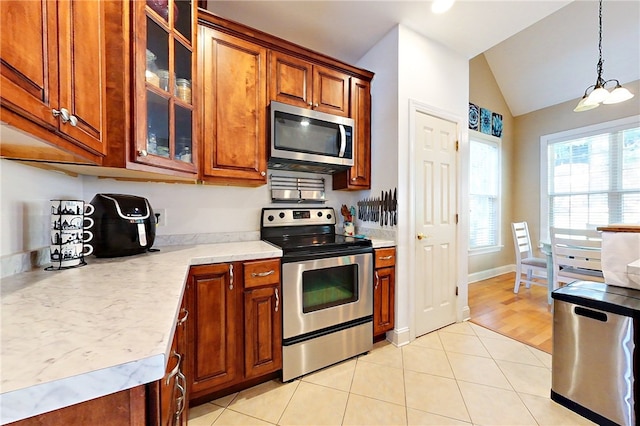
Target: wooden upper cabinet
165, 120
298, 82
234, 102
53, 72
358, 177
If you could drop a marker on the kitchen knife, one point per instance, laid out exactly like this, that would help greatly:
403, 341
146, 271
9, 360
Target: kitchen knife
381, 207
386, 208
395, 207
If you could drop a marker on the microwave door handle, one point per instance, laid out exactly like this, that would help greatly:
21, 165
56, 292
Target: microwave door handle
343, 141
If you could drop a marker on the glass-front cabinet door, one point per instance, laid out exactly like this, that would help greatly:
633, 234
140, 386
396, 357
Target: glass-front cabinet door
164, 113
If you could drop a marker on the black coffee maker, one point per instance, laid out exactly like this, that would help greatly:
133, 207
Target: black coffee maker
123, 225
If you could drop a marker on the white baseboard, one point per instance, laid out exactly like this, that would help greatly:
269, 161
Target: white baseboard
399, 337
490, 273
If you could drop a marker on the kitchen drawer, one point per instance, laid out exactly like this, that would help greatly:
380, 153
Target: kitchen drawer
385, 257
261, 272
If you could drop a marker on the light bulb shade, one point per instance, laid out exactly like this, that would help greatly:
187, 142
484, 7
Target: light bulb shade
582, 106
619, 94
597, 96
441, 6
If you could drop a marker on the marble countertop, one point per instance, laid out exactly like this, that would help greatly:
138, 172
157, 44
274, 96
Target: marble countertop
381, 243
77, 334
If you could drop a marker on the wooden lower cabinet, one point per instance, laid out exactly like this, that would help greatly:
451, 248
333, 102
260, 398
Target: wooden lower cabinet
118, 409
213, 300
235, 333
168, 400
384, 290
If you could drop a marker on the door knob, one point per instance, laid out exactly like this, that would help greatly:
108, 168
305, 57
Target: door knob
421, 236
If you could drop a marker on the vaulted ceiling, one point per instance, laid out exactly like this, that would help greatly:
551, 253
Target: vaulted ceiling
541, 52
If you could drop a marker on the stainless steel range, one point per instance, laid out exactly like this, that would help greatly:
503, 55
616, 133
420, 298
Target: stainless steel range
327, 289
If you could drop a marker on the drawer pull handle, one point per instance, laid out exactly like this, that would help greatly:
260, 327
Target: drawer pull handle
262, 274
231, 277
176, 369
277, 300
184, 318
386, 257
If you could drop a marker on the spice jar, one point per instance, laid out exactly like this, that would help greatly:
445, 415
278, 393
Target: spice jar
163, 77
183, 89
150, 73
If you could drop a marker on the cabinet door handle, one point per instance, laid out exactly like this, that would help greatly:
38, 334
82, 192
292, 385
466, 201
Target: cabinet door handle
310, 104
263, 173
142, 152
231, 277
262, 274
385, 257
65, 116
377, 280
184, 318
277, 299
176, 369
315, 105
181, 386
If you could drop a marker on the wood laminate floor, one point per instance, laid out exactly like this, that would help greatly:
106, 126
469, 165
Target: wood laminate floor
525, 316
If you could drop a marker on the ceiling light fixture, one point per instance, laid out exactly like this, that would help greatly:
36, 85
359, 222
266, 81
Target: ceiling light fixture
598, 93
441, 6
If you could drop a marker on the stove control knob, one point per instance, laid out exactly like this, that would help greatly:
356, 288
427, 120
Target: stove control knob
329, 216
319, 214
281, 215
270, 218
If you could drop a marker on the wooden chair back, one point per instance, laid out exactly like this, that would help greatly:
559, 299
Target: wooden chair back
577, 255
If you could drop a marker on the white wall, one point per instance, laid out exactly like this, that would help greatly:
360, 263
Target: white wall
411, 67
191, 209
24, 205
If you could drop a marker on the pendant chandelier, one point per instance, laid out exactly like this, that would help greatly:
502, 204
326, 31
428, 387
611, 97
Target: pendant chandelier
598, 93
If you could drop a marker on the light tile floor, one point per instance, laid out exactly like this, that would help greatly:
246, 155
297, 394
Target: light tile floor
462, 374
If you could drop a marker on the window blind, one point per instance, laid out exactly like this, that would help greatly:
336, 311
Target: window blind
594, 180
484, 193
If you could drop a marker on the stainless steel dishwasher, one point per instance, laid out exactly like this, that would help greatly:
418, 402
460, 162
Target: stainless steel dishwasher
594, 351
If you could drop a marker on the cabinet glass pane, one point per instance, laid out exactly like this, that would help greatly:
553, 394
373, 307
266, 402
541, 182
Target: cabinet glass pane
161, 7
157, 125
184, 146
157, 55
183, 19
183, 72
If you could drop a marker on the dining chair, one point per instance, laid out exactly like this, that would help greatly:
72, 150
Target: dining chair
526, 262
576, 254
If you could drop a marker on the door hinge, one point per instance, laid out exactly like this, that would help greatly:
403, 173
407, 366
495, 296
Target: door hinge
456, 290
456, 218
457, 145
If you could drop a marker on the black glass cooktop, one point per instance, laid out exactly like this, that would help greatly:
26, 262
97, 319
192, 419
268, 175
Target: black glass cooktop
316, 242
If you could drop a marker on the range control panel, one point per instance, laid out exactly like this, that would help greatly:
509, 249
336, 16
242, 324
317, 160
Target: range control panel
298, 217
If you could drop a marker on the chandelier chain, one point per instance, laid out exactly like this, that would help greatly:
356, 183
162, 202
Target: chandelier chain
600, 81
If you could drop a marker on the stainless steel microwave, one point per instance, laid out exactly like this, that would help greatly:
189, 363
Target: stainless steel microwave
311, 141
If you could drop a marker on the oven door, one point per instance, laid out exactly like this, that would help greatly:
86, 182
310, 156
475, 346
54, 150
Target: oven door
326, 293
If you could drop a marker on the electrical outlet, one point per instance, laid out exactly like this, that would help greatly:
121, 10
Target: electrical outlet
161, 215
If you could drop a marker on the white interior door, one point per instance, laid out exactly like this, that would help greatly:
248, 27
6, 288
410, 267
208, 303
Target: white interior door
435, 222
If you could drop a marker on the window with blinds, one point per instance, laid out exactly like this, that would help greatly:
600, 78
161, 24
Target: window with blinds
593, 178
484, 192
